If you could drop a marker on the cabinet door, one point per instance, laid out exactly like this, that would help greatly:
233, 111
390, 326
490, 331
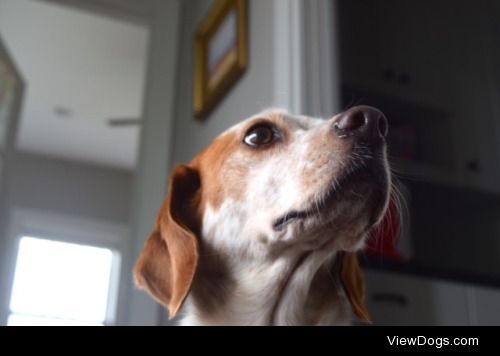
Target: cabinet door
484, 305
396, 48
397, 299
441, 57
480, 90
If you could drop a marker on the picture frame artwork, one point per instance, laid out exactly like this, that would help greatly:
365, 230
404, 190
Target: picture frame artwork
220, 54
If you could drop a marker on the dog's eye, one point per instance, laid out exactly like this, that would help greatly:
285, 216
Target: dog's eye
260, 135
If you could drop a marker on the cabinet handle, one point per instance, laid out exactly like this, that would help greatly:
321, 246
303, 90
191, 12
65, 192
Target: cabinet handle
404, 79
388, 74
392, 298
473, 166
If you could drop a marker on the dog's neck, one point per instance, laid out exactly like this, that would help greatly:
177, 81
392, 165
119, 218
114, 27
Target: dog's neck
286, 291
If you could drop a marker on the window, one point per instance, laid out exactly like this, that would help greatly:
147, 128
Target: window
60, 283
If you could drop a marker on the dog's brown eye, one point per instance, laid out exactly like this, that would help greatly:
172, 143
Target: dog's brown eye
259, 136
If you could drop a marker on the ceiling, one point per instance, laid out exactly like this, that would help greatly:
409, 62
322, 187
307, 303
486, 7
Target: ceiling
80, 70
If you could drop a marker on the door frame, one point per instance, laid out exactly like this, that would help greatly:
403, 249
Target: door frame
6, 159
307, 60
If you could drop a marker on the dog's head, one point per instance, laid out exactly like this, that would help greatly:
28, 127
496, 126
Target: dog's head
273, 186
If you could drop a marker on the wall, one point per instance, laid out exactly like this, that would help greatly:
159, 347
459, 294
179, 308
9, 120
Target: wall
254, 92
57, 195
85, 190
292, 64
90, 66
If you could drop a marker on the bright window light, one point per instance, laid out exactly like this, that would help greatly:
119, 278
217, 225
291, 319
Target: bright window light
59, 283
22, 320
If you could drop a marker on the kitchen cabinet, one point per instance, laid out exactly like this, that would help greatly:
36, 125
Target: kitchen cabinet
432, 68
399, 299
395, 298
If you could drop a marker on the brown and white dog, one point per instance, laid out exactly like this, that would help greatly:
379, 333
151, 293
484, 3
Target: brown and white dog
261, 228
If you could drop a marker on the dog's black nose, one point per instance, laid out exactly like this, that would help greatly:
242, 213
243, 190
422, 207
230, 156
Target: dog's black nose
363, 122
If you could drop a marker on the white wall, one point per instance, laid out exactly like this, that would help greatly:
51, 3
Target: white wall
62, 193
92, 65
60, 186
252, 93
292, 64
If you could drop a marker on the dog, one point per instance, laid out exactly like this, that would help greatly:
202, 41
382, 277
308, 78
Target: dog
263, 226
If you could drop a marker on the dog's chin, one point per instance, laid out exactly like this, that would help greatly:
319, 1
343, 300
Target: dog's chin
351, 207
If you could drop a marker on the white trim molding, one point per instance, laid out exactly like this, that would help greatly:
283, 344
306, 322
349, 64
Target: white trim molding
306, 65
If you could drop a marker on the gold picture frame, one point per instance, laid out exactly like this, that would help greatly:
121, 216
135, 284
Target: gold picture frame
220, 54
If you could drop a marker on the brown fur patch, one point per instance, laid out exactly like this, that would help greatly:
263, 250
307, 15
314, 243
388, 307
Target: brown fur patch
167, 264
210, 163
354, 285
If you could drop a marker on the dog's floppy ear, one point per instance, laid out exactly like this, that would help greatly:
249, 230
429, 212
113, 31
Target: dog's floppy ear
167, 264
353, 283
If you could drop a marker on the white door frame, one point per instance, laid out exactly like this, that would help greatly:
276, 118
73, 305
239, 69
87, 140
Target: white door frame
307, 73
5, 162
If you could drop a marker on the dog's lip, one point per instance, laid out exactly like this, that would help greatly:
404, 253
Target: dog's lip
281, 222
315, 209
331, 193
318, 206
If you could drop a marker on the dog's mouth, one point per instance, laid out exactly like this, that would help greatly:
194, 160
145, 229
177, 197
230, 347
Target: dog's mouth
354, 174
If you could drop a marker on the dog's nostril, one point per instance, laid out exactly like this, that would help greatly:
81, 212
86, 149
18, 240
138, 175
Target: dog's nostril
351, 121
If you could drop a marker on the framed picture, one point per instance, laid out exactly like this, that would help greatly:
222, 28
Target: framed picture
220, 54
